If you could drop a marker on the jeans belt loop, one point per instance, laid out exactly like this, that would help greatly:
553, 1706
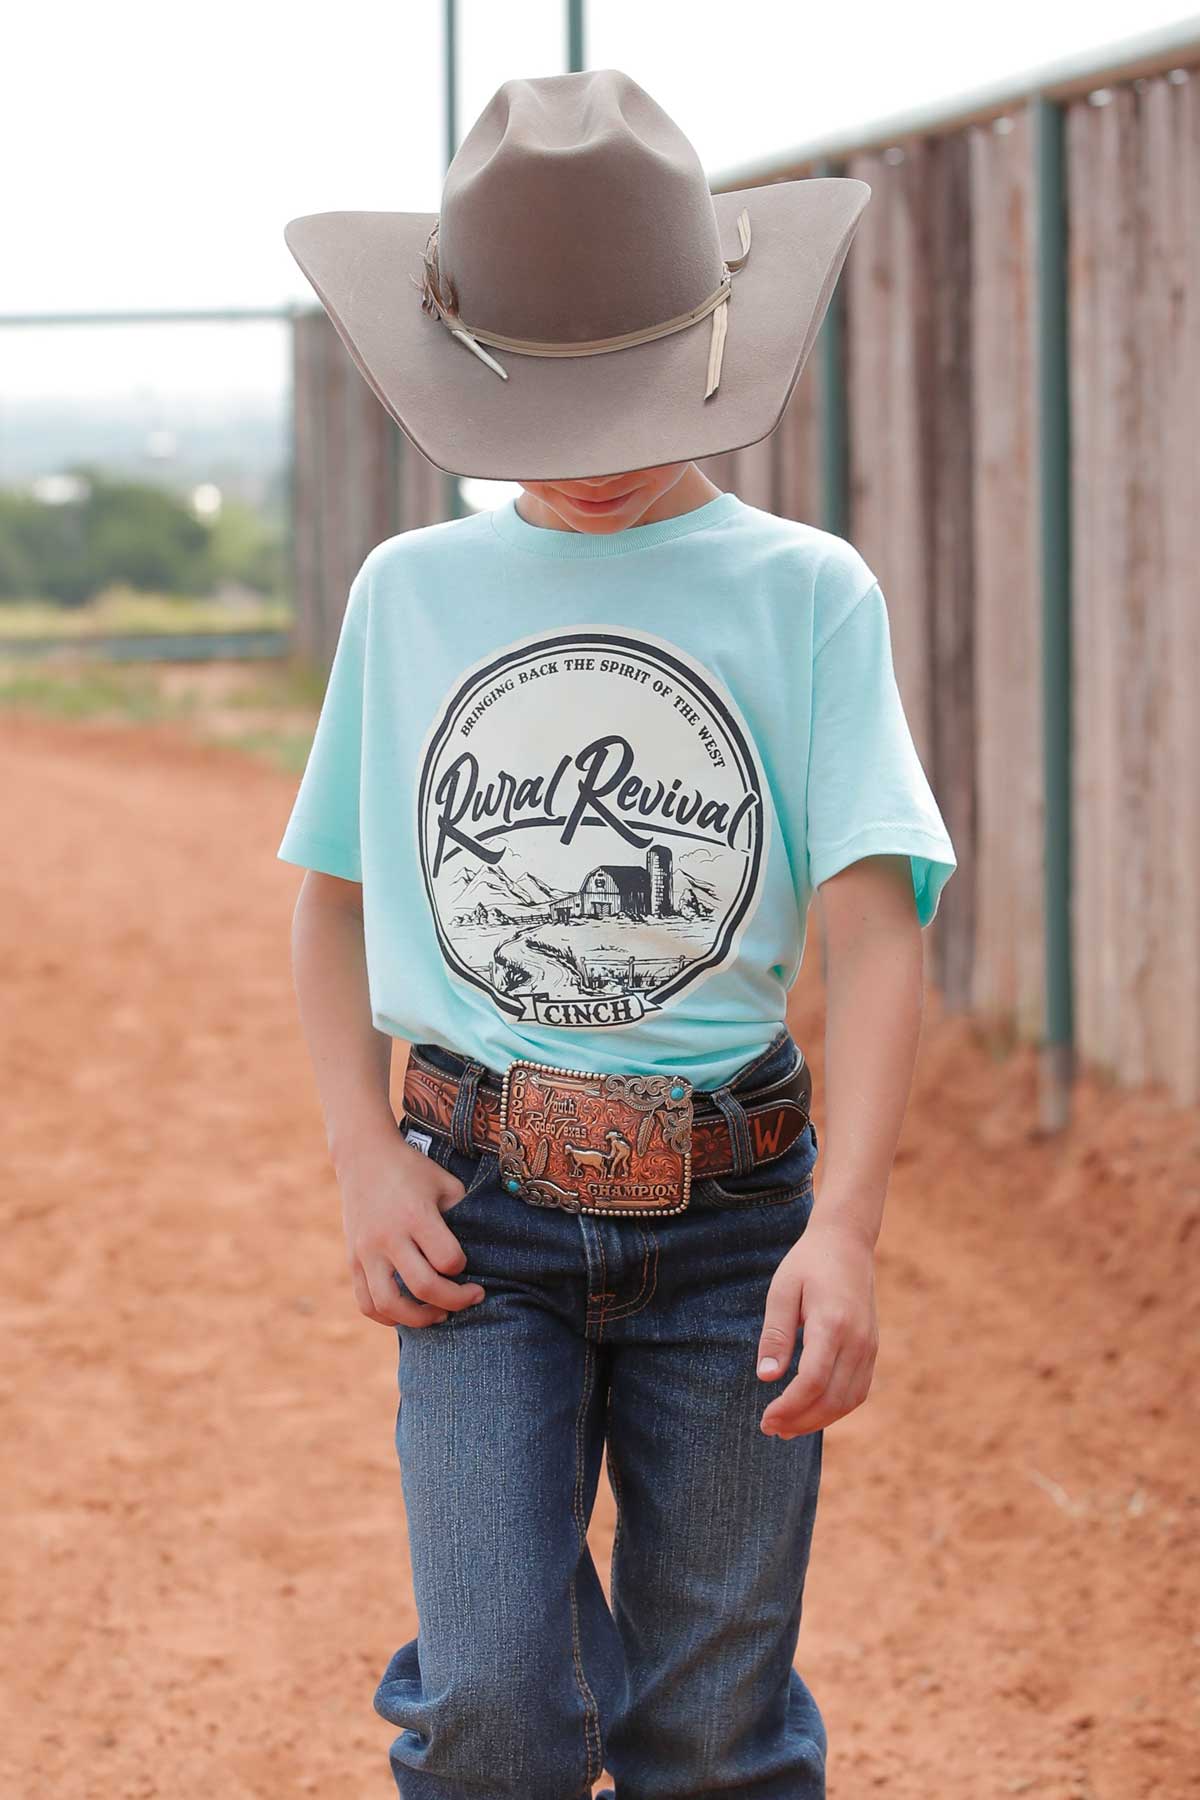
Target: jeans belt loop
462, 1120
739, 1128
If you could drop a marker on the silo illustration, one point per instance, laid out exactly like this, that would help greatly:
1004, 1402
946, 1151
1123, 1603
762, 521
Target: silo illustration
658, 867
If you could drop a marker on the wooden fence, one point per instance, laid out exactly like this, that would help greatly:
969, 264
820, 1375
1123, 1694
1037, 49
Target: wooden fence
356, 479
939, 366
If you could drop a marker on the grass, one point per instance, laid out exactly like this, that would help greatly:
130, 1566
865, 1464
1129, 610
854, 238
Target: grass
121, 609
94, 694
286, 750
266, 710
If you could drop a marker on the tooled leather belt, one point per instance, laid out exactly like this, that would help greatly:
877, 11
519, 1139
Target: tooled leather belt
775, 1114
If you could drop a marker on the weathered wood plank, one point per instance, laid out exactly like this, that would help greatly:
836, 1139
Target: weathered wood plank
1169, 284
896, 449
1008, 977
798, 449
755, 467
306, 450
948, 426
888, 468
1108, 655
1087, 561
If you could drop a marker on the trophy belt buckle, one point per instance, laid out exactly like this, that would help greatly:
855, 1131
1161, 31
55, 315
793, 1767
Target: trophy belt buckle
591, 1142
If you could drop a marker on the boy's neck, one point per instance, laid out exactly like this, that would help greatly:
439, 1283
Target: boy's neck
692, 489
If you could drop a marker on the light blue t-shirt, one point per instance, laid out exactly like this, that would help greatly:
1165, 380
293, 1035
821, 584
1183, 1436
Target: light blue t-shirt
590, 782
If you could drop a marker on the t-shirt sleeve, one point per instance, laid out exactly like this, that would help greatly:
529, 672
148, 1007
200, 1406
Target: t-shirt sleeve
323, 830
868, 794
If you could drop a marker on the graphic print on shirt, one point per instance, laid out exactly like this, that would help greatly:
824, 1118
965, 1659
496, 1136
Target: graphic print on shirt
593, 825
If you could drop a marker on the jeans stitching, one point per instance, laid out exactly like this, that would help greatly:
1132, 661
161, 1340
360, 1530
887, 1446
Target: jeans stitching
764, 1055
462, 1119
591, 1716
614, 1476
734, 1114
440, 1148
642, 1298
479, 1175
776, 1196
596, 1313
482, 1171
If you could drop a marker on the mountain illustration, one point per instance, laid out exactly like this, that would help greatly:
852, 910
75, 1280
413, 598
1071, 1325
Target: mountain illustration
506, 883
696, 893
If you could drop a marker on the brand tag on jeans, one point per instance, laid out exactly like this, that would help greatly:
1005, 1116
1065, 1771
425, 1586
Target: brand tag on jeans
422, 1139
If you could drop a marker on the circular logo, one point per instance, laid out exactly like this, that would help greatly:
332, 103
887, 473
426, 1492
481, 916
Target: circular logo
592, 827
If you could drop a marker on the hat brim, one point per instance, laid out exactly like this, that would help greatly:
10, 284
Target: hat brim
561, 418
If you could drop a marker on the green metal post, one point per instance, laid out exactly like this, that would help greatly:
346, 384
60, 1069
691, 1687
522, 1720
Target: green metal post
451, 77
1054, 530
575, 62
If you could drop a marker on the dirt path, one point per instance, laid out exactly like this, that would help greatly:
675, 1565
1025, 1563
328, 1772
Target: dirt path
207, 1565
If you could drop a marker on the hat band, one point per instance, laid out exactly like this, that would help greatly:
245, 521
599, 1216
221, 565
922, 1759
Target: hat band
445, 308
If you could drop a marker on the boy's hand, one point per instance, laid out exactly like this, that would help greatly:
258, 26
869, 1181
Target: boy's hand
827, 1283
394, 1206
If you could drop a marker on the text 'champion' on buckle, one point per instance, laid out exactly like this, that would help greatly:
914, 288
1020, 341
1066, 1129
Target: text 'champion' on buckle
595, 1143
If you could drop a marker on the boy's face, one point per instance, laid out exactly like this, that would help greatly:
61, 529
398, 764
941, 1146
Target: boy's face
604, 502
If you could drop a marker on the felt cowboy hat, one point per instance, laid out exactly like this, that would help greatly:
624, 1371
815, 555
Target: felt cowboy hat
582, 304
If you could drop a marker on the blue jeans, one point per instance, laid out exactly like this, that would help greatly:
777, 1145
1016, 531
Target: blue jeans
639, 1334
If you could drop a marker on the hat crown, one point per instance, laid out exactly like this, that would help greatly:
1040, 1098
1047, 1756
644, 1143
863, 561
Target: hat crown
576, 208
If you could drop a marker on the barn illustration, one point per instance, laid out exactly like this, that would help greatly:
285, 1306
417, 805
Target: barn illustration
635, 890
510, 893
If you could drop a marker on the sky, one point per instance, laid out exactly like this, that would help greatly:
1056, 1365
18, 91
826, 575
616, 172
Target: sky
156, 162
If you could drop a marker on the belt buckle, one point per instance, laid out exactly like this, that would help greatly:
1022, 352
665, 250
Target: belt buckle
590, 1142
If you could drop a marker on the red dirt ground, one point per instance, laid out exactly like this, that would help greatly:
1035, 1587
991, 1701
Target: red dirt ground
207, 1564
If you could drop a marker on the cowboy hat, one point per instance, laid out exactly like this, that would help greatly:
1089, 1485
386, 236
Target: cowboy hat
582, 304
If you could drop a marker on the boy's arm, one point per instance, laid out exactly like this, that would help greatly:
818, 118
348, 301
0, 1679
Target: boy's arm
874, 992
874, 989
351, 1059
395, 1200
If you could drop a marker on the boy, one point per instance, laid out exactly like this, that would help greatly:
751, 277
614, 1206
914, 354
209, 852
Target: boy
583, 762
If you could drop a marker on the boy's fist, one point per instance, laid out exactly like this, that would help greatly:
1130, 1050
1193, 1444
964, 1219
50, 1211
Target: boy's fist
395, 1202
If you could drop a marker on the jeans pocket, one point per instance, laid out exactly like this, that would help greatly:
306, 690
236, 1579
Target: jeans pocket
784, 1181
474, 1171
